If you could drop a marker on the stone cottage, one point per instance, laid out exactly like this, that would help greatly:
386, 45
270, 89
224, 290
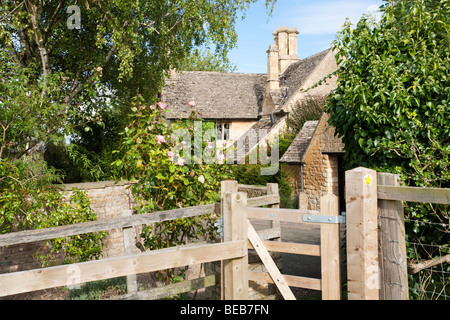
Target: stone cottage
313, 163
242, 104
289, 81
252, 109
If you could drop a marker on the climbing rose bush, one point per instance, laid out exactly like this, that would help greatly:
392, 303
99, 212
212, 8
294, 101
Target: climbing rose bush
167, 178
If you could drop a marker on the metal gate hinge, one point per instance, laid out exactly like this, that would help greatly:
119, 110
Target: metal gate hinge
324, 219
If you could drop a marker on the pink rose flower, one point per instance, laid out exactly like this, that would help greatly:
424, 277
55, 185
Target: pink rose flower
160, 139
191, 103
152, 107
224, 143
209, 144
162, 105
201, 179
180, 162
221, 157
170, 154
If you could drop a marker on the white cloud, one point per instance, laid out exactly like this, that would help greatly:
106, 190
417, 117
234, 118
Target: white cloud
326, 17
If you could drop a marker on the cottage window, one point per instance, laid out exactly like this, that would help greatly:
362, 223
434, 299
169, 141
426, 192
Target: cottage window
226, 131
219, 131
222, 131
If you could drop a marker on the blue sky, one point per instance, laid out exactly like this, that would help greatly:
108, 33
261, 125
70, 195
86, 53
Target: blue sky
316, 20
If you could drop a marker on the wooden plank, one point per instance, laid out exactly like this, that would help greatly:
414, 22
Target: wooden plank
414, 194
302, 200
266, 200
292, 281
243, 187
330, 249
269, 264
225, 186
24, 281
170, 290
362, 234
392, 245
267, 234
95, 226
291, 247
129, 243
235, 229
272, 188
287, 215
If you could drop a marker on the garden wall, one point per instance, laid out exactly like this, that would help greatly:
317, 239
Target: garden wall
108, 200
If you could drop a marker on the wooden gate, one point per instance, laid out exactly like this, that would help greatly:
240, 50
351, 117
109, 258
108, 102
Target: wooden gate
239, 236
329, 249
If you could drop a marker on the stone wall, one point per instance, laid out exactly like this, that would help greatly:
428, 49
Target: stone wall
320, 168
108, 200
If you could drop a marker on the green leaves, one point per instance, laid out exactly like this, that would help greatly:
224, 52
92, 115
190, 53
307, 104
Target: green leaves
167, 180
391, 106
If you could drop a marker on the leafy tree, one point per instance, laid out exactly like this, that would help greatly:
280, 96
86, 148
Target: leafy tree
391, 106
65, 73
306, 110
204, 60
105, 52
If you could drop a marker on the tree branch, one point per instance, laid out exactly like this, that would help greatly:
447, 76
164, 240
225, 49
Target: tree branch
416, 267
9, 13
38, 38
52, 20
78, 86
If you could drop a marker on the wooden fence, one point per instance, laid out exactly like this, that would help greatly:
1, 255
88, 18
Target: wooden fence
376, 247
233, 250
239, 236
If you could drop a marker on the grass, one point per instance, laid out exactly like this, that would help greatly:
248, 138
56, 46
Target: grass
97, 290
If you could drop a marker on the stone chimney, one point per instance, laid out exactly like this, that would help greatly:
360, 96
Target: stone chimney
279, 56
287, 44
272, 68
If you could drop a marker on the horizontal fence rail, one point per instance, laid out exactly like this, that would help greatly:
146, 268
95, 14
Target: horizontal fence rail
286, 215
292, 281
291, 247
24, 281
414, 194
102, 225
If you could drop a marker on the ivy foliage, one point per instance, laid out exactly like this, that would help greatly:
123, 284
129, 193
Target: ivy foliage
392, 105
392, 102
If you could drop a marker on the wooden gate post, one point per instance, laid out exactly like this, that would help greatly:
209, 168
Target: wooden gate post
225, 186
392, 248
234, 210
129, 241
362, 234
330, 249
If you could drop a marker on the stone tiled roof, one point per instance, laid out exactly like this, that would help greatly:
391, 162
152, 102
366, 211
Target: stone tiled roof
329, 142
217, 95
297, 150
252, 137
292, 79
